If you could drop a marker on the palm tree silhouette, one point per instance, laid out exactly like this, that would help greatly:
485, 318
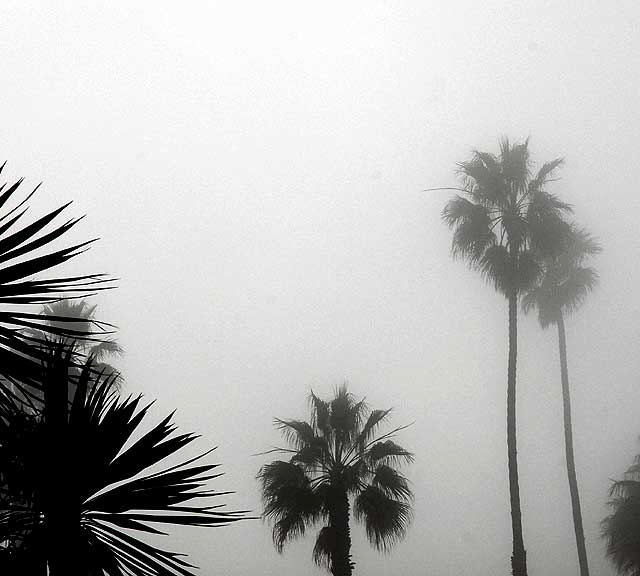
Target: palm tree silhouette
621, 529
336, 456
80, 317
502, 223
85, 469
563, 286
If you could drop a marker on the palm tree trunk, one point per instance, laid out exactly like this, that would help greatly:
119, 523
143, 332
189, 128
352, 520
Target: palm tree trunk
58, 527
568, 446
519, 555
339, 519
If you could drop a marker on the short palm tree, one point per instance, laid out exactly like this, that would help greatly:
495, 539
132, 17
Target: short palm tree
336, 456
78, 485
563, 286
25, 251
621, 529
503, 221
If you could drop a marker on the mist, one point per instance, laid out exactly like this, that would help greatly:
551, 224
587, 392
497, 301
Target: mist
260, 177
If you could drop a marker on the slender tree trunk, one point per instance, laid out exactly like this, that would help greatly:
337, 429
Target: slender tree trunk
519, 555
568, 446
339, 519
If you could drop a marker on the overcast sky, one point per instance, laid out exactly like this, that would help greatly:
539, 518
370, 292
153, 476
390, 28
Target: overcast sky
255, 171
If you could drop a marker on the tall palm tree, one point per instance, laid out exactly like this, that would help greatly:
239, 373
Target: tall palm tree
336, 456
563, 286
85, 470
25, 251
621, 529
503, 220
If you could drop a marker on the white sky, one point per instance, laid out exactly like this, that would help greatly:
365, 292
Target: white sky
256, 172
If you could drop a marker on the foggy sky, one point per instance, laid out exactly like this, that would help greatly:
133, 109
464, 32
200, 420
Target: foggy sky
256, 172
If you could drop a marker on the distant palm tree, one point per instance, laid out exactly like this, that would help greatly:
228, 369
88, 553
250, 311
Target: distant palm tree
503, 221
621, 529
85, 471
563, 286
335, 456
21, 258
99, 347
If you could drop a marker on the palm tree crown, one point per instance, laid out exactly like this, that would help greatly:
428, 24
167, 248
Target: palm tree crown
565, 280
80, 317
336, 456
506, 217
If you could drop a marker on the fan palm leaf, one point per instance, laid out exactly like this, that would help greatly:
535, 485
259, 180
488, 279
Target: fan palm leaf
25, 252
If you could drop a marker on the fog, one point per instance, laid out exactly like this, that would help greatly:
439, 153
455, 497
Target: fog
256, 173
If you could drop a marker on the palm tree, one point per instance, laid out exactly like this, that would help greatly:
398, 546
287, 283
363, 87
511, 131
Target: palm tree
622, 528
82, 313
336, 456
563, 286
503, 221
21, 258
85, 471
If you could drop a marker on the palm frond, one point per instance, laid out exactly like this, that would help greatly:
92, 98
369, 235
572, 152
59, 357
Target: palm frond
388, 452
472, 228
297, 432
22, 257
324, 546
386, 519
392, 483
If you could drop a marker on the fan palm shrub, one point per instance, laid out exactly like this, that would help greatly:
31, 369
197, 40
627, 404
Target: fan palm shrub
563, 285
335, 462
85, 480
502, 223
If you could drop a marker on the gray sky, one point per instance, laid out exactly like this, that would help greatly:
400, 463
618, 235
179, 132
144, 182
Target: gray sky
256, 172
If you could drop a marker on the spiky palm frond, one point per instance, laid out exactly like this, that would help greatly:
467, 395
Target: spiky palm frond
336, 455
90, 479
25, 251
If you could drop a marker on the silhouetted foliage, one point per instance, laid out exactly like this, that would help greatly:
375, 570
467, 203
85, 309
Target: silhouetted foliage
336, 456
504, 222
621, 529
78, 483
80, 315
21, 258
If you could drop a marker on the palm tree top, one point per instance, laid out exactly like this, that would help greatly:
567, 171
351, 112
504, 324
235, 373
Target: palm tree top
505, 215
566, 280
338, 451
